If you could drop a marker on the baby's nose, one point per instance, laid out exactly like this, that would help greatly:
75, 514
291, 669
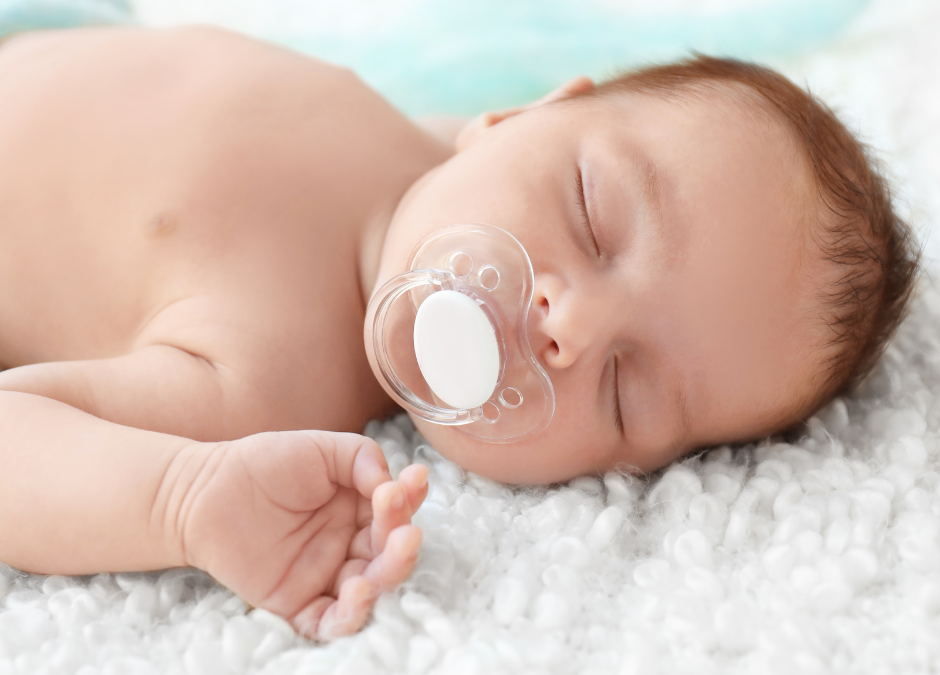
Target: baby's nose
566, 321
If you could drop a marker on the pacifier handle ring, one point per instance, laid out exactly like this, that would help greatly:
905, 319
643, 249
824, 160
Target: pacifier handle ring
391, 291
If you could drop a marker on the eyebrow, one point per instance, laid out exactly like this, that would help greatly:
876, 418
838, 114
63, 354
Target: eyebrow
652, 192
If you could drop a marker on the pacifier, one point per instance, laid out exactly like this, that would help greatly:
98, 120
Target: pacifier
451, 336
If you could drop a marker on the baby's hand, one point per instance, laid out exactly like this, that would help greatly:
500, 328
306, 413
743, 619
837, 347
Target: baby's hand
306, 524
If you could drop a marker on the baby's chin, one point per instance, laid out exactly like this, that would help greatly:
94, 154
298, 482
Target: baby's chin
516, 463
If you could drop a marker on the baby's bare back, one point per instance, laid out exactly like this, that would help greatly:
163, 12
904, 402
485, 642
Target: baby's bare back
183, 210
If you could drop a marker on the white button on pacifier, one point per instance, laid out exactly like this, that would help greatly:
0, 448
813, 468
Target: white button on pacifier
456, 349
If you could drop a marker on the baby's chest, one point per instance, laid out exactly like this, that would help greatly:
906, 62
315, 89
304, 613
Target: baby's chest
103, 226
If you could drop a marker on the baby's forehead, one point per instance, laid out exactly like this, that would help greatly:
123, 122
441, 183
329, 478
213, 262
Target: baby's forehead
736, 124
721, 105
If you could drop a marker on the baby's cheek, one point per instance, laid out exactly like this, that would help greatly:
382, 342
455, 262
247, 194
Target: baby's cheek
456, 446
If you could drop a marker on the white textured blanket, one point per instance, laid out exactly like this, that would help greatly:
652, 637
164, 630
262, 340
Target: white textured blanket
816, 557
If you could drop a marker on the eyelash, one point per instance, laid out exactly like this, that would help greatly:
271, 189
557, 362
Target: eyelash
618, 415
586, 222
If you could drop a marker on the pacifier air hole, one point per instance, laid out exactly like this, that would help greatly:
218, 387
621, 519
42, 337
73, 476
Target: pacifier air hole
490, 412
461, 265
510, 398
489, 277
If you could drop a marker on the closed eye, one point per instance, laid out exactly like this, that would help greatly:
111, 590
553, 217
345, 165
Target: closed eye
585, 218
618, 414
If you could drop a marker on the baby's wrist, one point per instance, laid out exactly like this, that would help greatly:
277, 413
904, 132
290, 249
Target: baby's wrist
176, 500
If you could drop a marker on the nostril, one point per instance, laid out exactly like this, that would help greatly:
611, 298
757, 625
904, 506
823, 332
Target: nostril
553, 349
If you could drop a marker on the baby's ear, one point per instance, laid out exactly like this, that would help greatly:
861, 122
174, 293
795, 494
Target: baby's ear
475, 128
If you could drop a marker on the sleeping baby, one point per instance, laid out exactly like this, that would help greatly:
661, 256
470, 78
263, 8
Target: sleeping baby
196, 229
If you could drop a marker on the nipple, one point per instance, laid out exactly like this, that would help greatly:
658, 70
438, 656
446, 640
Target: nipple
451, 339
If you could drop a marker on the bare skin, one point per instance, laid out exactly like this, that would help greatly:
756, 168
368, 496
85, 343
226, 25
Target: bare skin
182, 217
192, 224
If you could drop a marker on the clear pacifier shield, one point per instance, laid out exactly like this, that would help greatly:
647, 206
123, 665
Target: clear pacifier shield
450, 336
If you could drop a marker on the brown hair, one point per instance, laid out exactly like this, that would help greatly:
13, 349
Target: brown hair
873, 250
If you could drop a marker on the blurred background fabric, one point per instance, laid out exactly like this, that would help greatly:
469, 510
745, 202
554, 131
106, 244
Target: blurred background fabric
20, 15
433, 57
459, 57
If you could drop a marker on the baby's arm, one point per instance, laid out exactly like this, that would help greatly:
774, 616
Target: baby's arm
77, 493
159, 388
306, 524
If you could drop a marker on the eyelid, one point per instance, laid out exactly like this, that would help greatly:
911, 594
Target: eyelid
618, 413
585, 218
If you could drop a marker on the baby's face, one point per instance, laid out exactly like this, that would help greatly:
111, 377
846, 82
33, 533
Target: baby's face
672, 311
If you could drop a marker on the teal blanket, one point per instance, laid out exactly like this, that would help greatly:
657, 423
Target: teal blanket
464, 56
20, 15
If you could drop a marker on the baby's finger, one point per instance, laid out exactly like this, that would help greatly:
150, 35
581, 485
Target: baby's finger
307, 620
389, 510
351, 568
360, 548
366, 544
396, 561
351, 460
415, 480
350, 611
370, 469
326, 619
363, 511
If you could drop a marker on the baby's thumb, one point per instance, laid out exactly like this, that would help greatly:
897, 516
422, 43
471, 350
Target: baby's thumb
351, 460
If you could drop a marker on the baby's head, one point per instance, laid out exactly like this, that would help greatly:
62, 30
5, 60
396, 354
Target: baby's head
715, 259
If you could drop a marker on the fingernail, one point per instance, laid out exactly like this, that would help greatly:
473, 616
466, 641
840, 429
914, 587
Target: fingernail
398, 502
